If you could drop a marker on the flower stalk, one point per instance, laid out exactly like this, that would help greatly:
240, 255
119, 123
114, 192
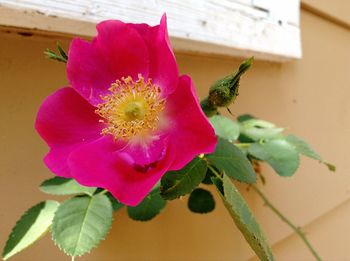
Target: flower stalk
296, 229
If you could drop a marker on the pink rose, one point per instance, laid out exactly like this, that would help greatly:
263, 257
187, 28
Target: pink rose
128, 116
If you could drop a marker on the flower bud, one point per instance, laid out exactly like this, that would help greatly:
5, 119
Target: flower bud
224, 91
208, 109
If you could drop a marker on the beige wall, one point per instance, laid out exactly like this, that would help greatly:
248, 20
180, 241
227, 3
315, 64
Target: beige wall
309, 97
338, 11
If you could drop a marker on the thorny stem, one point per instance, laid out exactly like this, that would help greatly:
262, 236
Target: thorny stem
288, 222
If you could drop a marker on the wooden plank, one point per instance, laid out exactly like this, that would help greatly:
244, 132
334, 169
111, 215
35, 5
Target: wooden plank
281, 11
225, 27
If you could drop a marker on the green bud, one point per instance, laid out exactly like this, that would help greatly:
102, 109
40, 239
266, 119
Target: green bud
220, 93
208, 110
223, 92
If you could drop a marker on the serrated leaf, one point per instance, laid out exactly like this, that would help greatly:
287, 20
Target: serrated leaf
201, 201
279, 154
243, 218
63, 186
80, 223
304, 148
178, 183
150, 207
227, 157
225, 127
34, 223
260, 130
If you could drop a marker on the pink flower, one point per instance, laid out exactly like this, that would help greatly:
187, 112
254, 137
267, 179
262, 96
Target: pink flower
128, 117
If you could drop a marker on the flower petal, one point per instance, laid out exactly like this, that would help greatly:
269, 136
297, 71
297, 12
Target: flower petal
117, 51
163, 68
191, 133
65, 121
104, 163
56, 159
144, 153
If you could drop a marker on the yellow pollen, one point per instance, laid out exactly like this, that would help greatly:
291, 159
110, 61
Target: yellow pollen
131, 108
134, 110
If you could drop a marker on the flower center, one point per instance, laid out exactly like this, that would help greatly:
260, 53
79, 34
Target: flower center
131, 108
134, 110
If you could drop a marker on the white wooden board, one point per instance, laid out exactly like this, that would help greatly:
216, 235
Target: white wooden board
268, 29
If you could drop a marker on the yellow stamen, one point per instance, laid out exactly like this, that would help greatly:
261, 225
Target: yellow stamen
132, 108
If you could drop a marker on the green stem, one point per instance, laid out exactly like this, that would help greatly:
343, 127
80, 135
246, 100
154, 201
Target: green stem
104, 191
217, 174
288, 222
243, 145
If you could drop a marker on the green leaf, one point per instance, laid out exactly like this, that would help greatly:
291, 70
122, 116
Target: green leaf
303, 148
116, 205
245, 117
63, 186
258, 123
279, 154
80, 223
62, 57
243, 218
150, 207
33, 225
62, 52
227, 157
201, 201
259, 129
207, 178
53, 56
225, 127
245, 139
178, 183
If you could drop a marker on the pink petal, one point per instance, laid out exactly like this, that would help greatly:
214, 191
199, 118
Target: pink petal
56, 159
145, 154
88, 71
163, 68
103, 163
65, 121
117, 51
190, 133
